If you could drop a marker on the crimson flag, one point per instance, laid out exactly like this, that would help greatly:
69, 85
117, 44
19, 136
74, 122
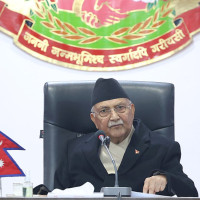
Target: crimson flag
8, 167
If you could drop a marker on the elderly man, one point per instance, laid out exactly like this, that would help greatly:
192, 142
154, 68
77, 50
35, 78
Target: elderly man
146, 162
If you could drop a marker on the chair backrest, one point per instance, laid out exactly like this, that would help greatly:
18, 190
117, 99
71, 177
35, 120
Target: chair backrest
67, 108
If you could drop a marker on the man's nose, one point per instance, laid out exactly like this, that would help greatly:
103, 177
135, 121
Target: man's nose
113, 115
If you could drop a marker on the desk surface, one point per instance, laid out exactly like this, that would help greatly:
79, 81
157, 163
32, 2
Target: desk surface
104, 198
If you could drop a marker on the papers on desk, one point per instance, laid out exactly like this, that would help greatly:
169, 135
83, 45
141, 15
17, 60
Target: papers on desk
85, 190
145, 195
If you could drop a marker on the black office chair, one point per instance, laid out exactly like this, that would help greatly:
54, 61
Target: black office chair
67, 114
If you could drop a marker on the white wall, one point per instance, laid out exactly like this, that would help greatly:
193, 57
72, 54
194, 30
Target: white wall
21, 95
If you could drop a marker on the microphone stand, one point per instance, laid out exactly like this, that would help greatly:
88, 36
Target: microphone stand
116, 190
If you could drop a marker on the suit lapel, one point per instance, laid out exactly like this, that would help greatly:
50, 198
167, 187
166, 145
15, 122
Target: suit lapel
90, 151
137, 146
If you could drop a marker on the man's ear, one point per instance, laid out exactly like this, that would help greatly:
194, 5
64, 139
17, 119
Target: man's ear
92, 117
133, 109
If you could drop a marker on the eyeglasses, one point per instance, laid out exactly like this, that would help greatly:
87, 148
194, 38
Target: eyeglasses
118, 109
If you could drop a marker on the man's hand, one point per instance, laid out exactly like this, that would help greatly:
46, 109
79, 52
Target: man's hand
154, 184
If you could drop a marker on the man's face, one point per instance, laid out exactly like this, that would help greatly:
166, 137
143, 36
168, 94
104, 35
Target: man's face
116, 125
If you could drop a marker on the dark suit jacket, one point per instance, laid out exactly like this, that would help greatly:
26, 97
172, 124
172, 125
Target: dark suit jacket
146, 154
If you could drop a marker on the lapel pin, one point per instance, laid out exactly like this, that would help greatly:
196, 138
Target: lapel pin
136, 151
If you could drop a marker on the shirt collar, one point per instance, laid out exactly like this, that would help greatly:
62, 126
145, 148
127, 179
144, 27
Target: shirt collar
127, 140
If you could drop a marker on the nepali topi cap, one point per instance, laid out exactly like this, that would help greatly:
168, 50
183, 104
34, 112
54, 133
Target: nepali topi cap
107, 89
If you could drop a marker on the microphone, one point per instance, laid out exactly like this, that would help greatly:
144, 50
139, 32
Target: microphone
116, 190
102, 136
